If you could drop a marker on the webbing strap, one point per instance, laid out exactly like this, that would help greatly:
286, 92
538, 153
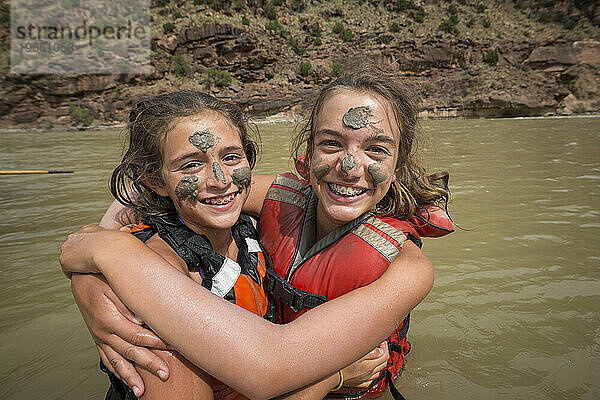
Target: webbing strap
296, 299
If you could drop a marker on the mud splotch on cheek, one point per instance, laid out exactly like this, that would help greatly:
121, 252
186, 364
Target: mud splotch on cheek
187, 186
218, 172
378, 174
319, 169
357, 117
242, 177
348, 163
203, 140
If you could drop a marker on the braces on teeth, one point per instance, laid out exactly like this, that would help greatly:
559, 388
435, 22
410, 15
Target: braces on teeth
345, 191
223, 200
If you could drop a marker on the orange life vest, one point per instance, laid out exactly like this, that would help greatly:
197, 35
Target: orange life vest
241, 283
349, 257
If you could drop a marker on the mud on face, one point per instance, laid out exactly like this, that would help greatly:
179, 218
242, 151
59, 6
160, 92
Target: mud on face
203, 140
242, 177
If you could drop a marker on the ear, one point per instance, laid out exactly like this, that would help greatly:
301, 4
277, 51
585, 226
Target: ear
156, 185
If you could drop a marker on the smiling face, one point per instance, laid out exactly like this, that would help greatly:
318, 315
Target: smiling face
203, 160
355, 147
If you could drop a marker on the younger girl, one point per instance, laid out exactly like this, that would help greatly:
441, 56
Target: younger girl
189, 161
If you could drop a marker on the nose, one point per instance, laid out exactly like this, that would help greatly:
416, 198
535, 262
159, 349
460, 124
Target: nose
351, 166
217, 177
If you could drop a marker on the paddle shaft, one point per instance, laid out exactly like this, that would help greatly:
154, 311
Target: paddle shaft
29, 171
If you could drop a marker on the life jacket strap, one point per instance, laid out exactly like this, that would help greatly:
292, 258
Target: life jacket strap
296, 299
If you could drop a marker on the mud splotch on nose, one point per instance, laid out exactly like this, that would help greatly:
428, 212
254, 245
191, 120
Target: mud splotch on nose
218, 172
348, 163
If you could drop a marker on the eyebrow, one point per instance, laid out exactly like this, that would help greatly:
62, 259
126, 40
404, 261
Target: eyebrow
372, 138
194, 154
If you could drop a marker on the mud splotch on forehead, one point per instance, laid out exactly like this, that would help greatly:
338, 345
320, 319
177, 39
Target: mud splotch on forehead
242, 177
319, 169
187, 186
357, 117
378, 174
348, 163
218, 172
203, 140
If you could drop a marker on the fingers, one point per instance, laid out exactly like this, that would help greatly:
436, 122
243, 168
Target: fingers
122, 369
140, 356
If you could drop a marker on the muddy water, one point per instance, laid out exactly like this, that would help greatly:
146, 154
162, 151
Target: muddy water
514, 313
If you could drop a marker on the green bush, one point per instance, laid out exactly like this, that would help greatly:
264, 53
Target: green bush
384, 39
238, 6
427, 89
480, 8
245, 20
452, 9
338, 28
418, 15
486, 22
337, 68
161, 3
395, 27
347, 35
177, 14
217, 77
168, 27
525, 68
296, 45
305, 69
277, 2
315, 29
80, 114
181, 67
491, 58
403, 5
317, 41
274, 26
470, 23
448, 27
270, 11
569, 23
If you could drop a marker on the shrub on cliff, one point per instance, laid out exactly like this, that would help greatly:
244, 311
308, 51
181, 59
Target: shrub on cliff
337, 68
384, 39
305, 69
80, 115
168, 27
270, 12
181, 68
491, 58
296, 45
218, 78
395, 27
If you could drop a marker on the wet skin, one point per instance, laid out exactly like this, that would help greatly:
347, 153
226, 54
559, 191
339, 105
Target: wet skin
346, 193
201, 183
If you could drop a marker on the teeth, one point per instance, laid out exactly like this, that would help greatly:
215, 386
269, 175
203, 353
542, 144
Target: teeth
345, 190
220, 201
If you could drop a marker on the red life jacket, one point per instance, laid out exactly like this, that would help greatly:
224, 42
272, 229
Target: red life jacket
349, 257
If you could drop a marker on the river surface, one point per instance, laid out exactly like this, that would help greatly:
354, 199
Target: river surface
514, 313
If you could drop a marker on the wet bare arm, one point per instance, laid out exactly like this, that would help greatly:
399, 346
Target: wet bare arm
277, 358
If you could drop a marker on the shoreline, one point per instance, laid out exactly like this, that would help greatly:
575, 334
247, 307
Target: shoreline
279, 119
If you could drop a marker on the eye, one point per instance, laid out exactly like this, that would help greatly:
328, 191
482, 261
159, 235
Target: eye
232, 158
191, 165
379, 150
330, 143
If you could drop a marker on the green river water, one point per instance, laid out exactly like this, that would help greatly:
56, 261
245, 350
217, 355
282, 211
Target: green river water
514, 313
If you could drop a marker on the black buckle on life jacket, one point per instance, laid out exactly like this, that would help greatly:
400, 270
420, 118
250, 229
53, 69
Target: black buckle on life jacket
296, 299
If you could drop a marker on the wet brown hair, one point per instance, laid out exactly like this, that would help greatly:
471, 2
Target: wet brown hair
413, 188
149, 123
